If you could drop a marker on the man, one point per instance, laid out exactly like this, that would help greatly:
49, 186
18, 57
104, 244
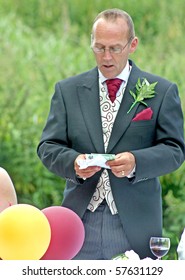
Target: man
120, 205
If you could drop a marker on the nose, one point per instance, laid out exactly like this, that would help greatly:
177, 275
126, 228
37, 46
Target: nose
107, 54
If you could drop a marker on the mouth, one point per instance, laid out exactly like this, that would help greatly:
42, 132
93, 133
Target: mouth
108, 66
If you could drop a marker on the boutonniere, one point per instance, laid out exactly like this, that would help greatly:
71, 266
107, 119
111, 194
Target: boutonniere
143, 91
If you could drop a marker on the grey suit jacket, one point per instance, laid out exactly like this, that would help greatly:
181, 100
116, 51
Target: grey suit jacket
74, 127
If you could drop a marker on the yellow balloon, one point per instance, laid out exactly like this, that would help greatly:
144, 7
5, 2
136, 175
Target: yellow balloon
25, 233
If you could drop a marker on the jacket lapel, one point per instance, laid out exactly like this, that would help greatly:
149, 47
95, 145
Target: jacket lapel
88, 93
123, 118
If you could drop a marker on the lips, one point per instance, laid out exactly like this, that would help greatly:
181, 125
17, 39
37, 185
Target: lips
108, 66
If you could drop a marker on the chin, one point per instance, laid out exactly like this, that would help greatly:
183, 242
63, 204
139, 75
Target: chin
108, 72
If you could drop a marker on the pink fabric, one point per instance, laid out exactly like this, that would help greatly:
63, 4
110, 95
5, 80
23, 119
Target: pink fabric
144, 115
113, 86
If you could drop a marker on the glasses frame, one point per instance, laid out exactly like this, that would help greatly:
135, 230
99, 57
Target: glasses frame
112, 50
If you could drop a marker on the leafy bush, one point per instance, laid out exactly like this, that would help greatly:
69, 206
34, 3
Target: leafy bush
45, 41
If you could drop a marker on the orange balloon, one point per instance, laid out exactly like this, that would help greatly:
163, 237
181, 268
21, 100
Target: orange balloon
25, 233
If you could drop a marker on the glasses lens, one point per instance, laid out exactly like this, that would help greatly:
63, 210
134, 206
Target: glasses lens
115, 50
98, 50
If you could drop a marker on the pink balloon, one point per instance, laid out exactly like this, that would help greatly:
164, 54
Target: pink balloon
67, 233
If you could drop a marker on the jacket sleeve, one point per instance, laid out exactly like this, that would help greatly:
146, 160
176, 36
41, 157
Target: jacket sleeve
53, 148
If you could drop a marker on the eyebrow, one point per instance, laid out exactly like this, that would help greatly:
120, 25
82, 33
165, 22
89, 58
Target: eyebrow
111, 46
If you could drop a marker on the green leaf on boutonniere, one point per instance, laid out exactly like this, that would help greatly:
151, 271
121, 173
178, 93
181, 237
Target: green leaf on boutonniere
143, 91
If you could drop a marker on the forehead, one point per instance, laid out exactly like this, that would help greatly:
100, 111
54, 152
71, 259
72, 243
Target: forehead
111, 31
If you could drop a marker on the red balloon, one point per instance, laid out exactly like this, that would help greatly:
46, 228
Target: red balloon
67, 233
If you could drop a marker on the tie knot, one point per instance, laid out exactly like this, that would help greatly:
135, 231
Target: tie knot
113, 86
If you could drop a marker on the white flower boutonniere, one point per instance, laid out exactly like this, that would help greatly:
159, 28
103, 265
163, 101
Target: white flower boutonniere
143, 91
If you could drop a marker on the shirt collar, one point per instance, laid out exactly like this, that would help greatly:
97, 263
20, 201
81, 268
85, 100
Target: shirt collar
124, 75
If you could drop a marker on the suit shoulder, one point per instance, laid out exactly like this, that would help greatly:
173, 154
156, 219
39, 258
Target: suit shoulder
151, 77
78, 79
156, 78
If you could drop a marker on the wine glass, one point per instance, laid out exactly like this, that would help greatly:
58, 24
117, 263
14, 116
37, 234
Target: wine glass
159, 246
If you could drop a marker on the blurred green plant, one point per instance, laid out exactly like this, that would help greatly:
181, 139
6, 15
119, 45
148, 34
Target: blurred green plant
44, 41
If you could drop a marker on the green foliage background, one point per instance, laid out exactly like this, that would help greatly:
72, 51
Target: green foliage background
42, 42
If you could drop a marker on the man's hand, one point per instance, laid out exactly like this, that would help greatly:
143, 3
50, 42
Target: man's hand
86, 172
122, 165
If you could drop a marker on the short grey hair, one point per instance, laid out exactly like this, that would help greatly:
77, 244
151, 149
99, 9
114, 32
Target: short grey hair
113, 15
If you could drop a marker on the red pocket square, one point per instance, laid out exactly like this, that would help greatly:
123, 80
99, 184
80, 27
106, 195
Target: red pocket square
144, 115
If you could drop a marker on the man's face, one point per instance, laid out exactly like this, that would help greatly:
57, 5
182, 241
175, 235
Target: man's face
110, 35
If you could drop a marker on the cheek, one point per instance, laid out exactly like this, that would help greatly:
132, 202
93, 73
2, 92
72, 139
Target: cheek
98, 60
121, 62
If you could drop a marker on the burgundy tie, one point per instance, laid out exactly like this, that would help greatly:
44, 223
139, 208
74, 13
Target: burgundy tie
113, 86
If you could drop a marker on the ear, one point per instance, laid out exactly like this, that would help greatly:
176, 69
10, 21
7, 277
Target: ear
134, 44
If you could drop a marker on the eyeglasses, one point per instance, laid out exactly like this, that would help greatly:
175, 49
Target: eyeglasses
113, 50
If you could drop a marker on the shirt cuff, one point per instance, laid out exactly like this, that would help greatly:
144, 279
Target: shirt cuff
132, 173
